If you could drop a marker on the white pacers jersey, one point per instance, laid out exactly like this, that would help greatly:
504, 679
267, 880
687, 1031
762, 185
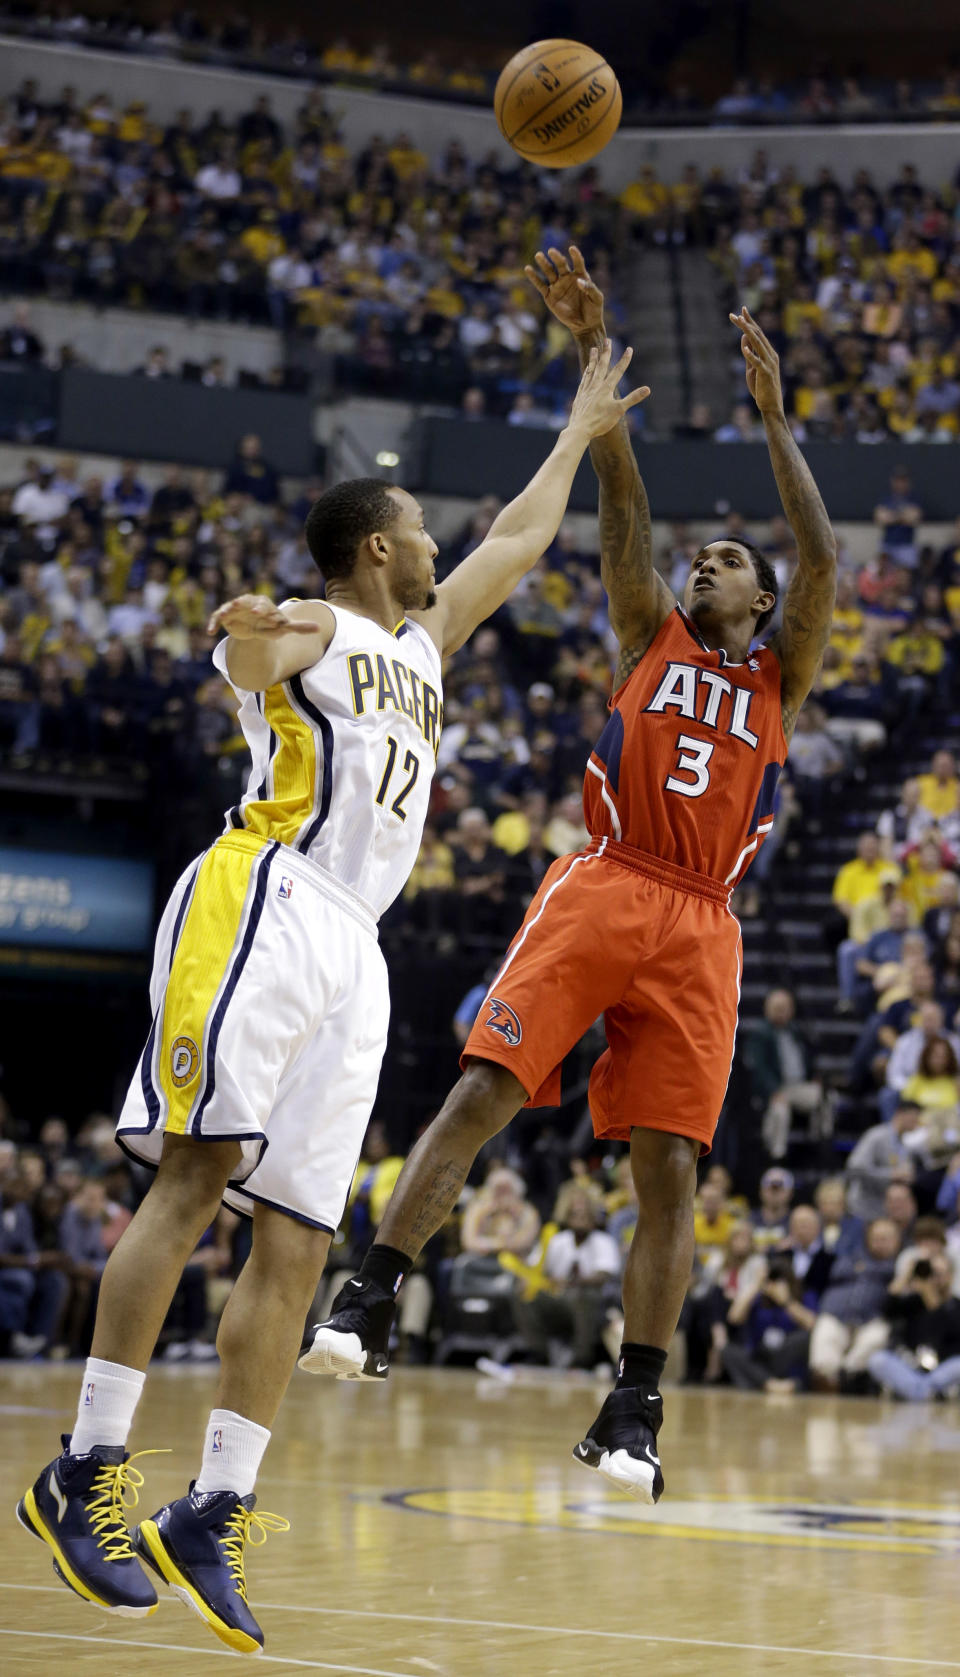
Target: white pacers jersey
344, 754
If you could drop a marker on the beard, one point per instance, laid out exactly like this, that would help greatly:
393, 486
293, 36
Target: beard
430, 600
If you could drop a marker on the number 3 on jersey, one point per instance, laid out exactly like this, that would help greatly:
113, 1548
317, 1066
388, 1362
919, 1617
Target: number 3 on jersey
411, 768
693, 755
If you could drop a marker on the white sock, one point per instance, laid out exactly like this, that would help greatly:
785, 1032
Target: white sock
108, 1397
232, 1453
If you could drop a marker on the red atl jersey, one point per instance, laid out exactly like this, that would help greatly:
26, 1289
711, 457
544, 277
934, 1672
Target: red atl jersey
687, 766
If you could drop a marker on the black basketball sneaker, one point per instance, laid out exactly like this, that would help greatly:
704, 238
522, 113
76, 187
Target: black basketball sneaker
622, 1443
353, 1343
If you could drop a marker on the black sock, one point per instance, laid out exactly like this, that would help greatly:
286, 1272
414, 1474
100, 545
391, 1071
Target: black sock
640, 1365
386, 1266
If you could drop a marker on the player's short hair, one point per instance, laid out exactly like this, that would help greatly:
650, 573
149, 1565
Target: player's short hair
342, 519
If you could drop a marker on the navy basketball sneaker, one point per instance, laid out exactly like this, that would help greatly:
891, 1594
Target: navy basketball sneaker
622, 1443
76, 1508
353, 1343
196, 1545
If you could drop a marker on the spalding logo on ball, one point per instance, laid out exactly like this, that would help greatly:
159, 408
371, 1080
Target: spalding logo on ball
557, 103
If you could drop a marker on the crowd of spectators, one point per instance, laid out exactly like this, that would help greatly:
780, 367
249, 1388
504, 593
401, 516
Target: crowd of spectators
852, 1286
856, 285
246, 42
407, 270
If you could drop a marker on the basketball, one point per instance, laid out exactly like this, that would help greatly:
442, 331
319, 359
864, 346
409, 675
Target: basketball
557, 103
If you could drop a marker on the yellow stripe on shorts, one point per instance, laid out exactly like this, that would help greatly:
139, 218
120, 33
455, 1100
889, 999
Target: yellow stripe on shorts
211, 942
294, 768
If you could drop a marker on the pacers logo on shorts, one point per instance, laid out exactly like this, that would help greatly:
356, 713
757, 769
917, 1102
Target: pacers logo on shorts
184, 1061
504, 1021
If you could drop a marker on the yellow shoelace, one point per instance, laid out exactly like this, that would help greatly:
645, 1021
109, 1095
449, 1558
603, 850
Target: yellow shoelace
116, 1488
246, 1526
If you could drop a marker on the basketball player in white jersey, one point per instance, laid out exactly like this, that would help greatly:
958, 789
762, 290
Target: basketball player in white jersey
270, 1005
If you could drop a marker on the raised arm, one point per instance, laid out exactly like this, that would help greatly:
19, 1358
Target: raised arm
639, 599
527, 525
269, 643
808, 609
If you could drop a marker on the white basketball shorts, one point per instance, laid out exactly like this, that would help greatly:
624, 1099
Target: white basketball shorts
270, 1010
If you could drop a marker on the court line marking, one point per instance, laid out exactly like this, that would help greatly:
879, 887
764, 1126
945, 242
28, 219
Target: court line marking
184, 1648
492, 1624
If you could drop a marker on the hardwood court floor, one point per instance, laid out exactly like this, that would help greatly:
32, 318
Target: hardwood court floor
441, 1529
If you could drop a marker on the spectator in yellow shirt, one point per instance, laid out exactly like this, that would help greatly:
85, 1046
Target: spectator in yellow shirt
940, 788
924, 873
712, 1220
644, 199
860, 881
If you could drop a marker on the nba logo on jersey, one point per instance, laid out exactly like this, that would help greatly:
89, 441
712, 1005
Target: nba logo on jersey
88, 1395
217, 1444
504, 1021
285, 888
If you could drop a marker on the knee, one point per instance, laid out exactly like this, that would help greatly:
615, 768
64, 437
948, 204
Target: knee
195, 1173
664, 1168
485, 1099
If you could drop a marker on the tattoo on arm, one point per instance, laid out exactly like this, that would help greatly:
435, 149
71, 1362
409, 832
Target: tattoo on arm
436, 1201
808, 609
639, 598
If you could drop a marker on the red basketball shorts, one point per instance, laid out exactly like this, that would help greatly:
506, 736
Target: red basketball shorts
652, 947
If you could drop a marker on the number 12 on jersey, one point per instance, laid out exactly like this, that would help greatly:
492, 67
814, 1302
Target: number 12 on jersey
411, 768
693, 755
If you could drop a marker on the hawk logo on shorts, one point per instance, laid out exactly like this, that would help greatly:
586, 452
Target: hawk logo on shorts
184, 1061
504, 1021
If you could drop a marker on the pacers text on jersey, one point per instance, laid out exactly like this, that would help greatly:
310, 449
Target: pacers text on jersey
377, 685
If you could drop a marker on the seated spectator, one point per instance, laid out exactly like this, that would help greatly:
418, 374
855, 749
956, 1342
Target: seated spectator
856, 706
857, 886
905, 825
713, 1222
157, 364
939, 789
935, 1088
374, 1180
252, 475
924, 871
849, 1325
742, 426
582, 1268
770, 1219
499, 1217
841, 1232
858, 964
811, 1263
898, 518
908, 1047
814, 757
18, 341
769, 1331
32, 1290
923, 1358
880, 1157
780, 1064
480, 870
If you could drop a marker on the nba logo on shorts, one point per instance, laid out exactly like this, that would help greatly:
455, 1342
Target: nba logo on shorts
217, 1444
285, 888
504, 1021
88, 1395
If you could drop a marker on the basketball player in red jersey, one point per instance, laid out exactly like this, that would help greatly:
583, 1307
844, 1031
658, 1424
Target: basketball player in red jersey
678, 796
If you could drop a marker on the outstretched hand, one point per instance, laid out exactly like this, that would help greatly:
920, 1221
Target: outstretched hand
763, 363
567, 289
253, 616
596, 407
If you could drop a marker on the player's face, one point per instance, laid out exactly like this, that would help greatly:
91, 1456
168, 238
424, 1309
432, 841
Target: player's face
722, 587
413, 579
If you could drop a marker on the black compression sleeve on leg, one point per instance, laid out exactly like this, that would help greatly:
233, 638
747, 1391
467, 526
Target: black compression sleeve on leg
640, 1365
386, 1266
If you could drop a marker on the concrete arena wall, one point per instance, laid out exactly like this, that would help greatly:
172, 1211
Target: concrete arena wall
168, 84
115, 340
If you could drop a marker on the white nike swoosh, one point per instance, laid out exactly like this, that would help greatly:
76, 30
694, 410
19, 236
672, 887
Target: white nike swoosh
57, 1495
355, 1283
650, 1397
582, 1448
382, 1368
653, 1458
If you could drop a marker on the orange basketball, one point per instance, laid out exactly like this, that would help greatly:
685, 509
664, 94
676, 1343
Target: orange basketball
557, 103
